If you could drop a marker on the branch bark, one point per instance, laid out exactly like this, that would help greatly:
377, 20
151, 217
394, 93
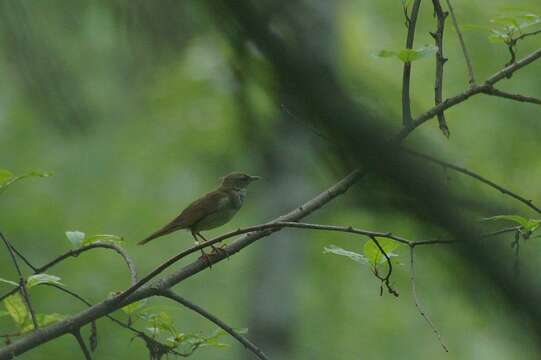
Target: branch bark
411, 21
194, 307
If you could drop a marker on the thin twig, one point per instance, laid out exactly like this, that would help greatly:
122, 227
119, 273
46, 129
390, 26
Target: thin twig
77, 334
385, 280
517, 97
440, 61
406, 74
194, 307
23, 258
421, 310
462, 44
476, 176
95, 245
22, 282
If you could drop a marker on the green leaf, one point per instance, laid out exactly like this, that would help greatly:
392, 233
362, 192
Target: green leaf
134, 307
43, 320
103, 237
9, 282
373, 253
16, 308
5, 176
39, 279
333, 249
76, 237
409, 55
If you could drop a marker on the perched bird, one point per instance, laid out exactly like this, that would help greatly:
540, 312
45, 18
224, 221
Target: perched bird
210, 211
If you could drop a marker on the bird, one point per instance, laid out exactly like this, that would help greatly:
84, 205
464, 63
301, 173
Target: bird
210, 211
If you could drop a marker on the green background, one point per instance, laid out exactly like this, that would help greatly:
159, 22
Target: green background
140, 107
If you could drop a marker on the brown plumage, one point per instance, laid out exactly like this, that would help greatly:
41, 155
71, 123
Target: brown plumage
210, 211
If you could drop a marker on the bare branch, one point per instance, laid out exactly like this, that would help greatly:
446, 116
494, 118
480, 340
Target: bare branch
95, 245
462, 44
440, 61
457, 99
242, 339
476, 176
411, 22
22, 282
517, 97
423, 313
81, 342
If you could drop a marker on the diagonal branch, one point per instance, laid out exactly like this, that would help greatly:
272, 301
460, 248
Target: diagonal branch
194, 307
462, 44
77, 334
22, 282
423, 313
411, 22
517, 97
476, 176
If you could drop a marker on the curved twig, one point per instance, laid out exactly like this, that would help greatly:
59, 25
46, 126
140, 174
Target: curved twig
411, 23
462, 44
95, 245
242, 339
77, 334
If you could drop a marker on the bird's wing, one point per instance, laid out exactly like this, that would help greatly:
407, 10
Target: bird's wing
200, 208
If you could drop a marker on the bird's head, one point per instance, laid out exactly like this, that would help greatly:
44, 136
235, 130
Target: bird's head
238, 180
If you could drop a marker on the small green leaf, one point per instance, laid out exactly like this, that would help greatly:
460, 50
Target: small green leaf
373, 253
5, 176
332, 249
9, 282
134, 307
103, 237
39, 279
16, 308
409, 55
76, 237
43, 320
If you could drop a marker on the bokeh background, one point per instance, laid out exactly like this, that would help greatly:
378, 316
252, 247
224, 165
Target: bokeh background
139, 107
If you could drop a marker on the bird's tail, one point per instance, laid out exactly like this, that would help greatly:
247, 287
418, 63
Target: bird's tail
157, 234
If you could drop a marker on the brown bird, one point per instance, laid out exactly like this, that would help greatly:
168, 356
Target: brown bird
210, 211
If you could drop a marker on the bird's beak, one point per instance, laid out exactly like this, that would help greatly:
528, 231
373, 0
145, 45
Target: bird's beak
254, 178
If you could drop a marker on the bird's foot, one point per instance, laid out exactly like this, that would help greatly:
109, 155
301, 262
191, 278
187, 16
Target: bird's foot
207, 259
220, 249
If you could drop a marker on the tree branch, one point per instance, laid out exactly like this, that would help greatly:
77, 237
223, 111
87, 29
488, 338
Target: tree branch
503, 190
22, 281
517, 97
462, 44
457, 99
81, 342
440, 61
85, 248
406, 75
243, 340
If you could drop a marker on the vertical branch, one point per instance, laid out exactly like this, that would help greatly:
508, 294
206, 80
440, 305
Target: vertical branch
81, 341
418, 304
440, 61
462, 44
411, 22
22, 282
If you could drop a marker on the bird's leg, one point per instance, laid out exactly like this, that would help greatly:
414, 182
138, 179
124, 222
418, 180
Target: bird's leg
204, 255
214, 248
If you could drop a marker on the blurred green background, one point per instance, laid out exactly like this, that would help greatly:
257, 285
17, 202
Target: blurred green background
139, 107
